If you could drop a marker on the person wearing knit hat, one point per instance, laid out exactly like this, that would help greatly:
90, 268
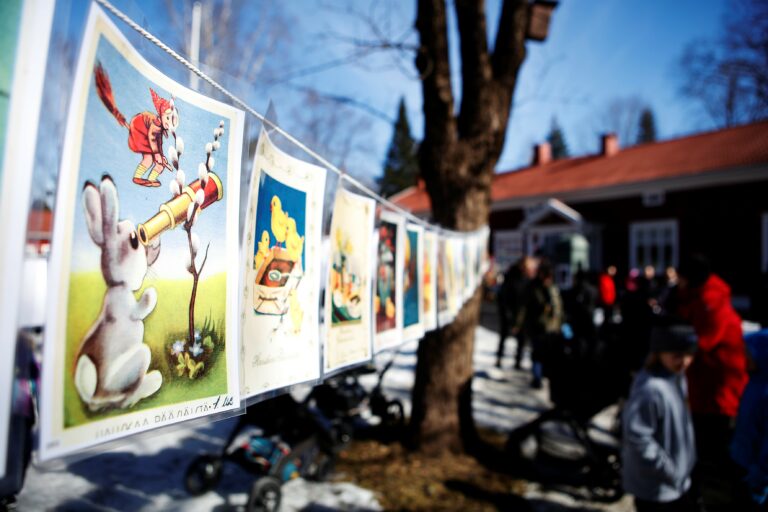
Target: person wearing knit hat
658, 445
145, 131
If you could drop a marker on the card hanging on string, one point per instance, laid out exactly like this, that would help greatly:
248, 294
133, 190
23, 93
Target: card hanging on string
142, 325
429, 278
282, 264
457, 253
477, 260
388, 297
470, 260
451, 281
348, 314
443, 283
467, 266
485, 261
413, 283
27, 30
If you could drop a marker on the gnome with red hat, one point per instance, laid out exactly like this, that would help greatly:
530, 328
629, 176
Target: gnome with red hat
145, 131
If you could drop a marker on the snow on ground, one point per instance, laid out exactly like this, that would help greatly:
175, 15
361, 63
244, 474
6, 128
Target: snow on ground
147, 472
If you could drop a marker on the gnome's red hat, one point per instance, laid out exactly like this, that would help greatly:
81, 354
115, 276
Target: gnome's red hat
161, 104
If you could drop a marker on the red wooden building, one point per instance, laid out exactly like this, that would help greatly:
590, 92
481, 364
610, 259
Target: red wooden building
644, 205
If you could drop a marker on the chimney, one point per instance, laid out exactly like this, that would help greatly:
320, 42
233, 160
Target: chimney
610, 144
542, 154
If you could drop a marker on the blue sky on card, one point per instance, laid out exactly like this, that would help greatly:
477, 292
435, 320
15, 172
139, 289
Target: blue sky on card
105, 151
597, 51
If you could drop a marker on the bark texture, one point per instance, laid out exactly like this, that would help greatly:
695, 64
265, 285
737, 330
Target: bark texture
457, 158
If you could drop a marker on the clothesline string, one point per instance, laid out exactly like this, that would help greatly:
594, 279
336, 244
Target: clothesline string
194, 69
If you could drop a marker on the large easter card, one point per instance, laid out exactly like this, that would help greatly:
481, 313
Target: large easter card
142, 315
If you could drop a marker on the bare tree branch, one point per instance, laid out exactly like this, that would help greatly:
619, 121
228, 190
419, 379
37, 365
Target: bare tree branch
509, 48
476, 73
433, 63
347, 100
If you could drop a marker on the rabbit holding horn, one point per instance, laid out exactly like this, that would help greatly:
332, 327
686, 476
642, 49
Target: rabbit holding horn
112, 360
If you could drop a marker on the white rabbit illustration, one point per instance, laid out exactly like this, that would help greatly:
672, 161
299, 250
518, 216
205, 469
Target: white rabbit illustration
112, 361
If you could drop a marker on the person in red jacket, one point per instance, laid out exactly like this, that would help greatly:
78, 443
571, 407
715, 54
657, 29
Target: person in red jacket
718, 374
606, 285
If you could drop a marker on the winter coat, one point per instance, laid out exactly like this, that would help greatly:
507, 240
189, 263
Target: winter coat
606, 289
718, 374
658, 447
542, 313
512, 292
750, 438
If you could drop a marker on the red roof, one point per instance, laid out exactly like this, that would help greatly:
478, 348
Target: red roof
40, 224
741, 146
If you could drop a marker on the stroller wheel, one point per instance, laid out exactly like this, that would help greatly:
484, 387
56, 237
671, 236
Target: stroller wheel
265, 495
203, 474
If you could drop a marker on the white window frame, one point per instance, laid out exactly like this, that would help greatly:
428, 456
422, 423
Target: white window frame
658, 226
507, 247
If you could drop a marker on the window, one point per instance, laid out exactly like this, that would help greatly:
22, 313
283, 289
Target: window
651, 199
653, 243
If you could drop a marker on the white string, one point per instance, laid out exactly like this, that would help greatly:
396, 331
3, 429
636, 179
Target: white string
194, 69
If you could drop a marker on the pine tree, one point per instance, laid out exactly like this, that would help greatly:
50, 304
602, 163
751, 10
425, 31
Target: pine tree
401, 168
647, 131
556, 141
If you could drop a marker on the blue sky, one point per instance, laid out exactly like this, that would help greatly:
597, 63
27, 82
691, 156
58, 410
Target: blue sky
597, 51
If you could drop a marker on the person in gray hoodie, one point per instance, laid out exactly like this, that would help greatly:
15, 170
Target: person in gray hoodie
658, 447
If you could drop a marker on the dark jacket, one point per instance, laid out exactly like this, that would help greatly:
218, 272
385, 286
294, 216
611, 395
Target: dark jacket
543, 310
750, 438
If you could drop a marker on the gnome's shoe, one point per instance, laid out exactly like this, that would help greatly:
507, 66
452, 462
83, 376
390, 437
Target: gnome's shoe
142, 182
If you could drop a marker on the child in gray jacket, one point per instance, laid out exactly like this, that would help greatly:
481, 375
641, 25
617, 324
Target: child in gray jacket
658, 450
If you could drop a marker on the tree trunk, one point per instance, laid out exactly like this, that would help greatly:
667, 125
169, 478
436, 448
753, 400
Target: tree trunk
444, 364
457, 158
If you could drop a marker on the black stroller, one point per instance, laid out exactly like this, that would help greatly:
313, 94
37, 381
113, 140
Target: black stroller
586, 376
345, 402
291, 441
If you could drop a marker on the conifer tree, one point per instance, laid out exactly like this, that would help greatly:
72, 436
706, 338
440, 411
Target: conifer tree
647, 131
401, 168
556, 141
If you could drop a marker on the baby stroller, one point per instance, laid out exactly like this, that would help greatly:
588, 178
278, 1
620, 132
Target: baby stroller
583, 382
290, 441
349, 406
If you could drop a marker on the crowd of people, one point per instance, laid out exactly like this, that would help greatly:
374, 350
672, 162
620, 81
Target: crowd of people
694, 422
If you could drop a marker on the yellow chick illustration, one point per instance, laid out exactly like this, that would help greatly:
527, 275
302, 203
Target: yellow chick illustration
295, 311
293, 242
279, 219
263, 251
339, 237
389, 310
